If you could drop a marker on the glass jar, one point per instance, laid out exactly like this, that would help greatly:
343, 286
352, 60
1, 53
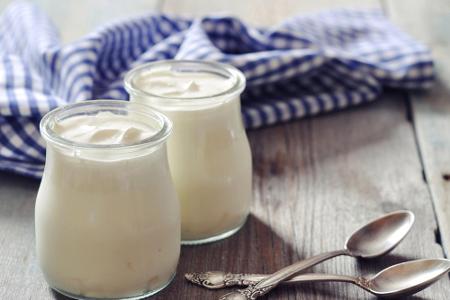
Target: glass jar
107, 217
209, 154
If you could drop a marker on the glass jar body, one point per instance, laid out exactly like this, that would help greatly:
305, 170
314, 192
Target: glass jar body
107, 222
210, 162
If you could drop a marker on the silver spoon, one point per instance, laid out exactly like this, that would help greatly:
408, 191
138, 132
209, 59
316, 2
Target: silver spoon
374, 239
398, 280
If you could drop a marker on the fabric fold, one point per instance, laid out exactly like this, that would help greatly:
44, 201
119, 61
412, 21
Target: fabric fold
306, 65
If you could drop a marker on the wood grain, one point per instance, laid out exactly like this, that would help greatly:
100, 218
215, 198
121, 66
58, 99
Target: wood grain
429, 22
79, 17
315, 181
258, 12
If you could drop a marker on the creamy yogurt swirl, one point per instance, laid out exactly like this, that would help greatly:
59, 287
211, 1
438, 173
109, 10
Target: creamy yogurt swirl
104, 128
168, 83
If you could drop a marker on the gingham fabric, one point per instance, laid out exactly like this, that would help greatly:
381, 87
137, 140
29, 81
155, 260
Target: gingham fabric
307, 65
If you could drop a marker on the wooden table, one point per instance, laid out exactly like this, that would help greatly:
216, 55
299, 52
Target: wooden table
315, 180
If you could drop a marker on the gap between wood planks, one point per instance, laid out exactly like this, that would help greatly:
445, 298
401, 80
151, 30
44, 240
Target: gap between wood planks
410, 119
428, 111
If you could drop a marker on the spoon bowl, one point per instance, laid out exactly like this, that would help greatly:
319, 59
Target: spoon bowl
380, 236
376, 238
397, 281
408, 278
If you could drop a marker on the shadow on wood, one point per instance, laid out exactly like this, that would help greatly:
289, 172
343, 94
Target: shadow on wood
375, 265
256, 248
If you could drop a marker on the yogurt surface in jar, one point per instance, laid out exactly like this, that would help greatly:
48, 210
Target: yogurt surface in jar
209, 154
169, 83
104, 128
107, 217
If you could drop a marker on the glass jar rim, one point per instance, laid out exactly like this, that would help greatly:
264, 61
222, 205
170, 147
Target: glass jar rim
233, 72
158, 137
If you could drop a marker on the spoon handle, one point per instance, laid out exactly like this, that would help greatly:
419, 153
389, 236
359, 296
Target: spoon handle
317, 277
268, 283
210, 280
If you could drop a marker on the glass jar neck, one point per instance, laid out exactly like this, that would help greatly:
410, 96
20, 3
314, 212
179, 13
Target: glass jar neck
160, 126
100, 155
186, 67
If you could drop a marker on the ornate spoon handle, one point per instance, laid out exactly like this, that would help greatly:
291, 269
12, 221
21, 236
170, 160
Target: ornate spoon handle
264, 286
218, 279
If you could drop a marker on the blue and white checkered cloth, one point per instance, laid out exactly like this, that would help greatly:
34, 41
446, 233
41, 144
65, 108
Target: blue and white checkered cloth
307, 65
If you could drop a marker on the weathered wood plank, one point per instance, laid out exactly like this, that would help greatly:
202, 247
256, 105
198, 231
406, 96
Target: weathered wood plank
429, 21
315, 181
76, 18
20, 276
262, 12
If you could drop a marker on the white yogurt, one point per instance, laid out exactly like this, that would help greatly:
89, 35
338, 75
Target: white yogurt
105, 128
209, 154
169, 83
107, 220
